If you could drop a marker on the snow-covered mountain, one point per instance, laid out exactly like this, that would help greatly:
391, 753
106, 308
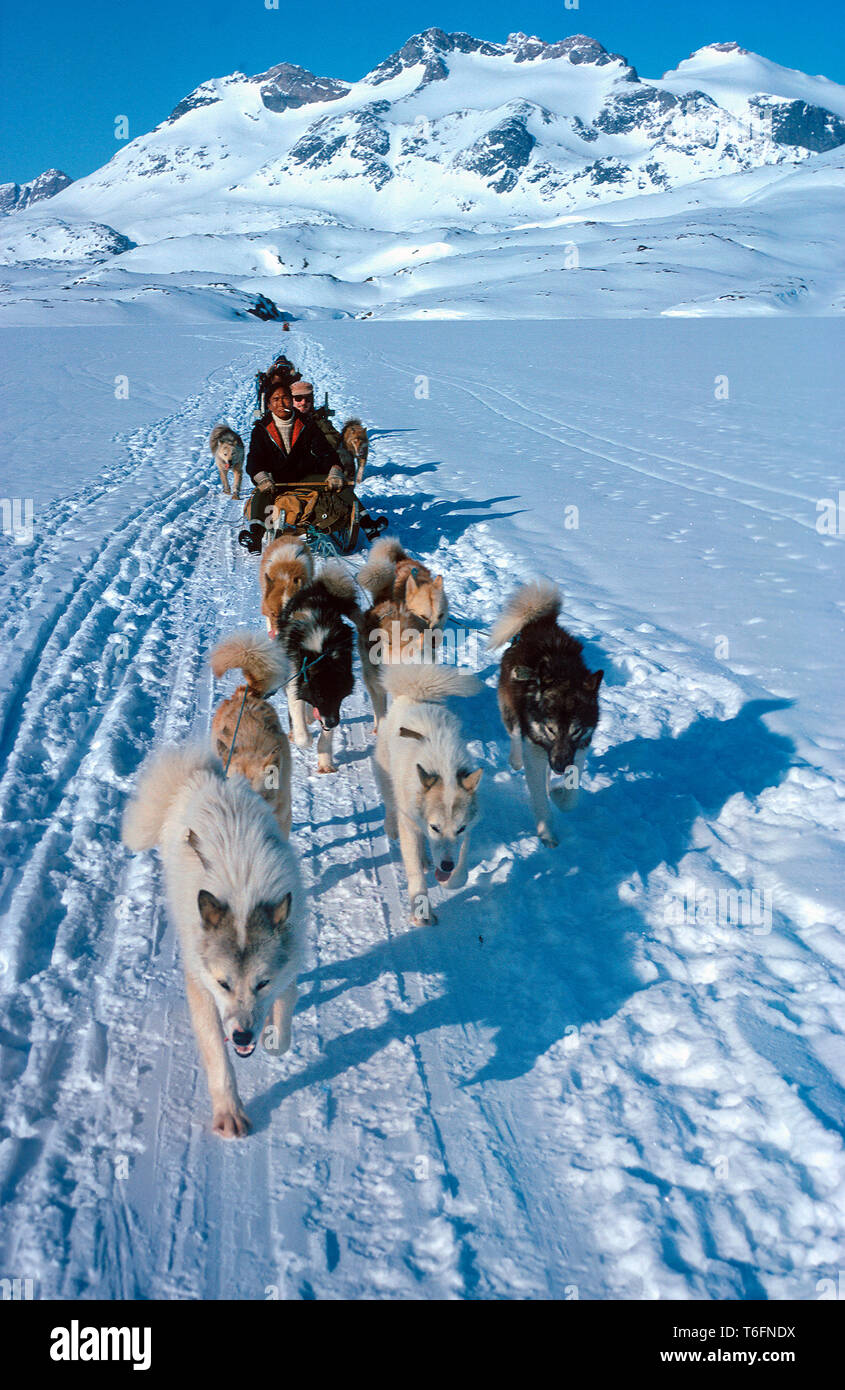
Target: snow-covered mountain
450, 137
14, 197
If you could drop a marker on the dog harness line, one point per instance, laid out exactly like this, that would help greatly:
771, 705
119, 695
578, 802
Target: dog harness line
235, 734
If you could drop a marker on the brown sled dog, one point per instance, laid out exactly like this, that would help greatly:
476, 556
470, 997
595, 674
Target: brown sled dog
262, 754
286, 565
389, 635
408, 610
355, 439
228, 450
547, 697
390, 573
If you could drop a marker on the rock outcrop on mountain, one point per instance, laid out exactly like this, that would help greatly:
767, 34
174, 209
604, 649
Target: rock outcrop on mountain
14, 197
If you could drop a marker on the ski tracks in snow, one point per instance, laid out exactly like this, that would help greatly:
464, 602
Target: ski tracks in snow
560, 1090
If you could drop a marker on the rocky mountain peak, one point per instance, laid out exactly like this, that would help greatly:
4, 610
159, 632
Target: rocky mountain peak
428, 49
287, 86
14, 197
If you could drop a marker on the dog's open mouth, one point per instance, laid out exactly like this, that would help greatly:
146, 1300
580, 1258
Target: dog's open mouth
246, 1051
442, 876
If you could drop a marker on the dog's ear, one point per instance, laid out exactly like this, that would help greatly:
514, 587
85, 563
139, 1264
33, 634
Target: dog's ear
593, 681
470, 780
268, 584
428, 779
222, 753
411, 733
437, 583
411, 586
279, 912
212, 911
193, 841
522, 673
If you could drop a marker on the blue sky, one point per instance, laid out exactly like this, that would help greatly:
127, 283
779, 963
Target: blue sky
72, 68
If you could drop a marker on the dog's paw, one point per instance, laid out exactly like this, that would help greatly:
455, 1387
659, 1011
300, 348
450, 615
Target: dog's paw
391, 829
422, 913
457, 880
325, 767
230, 1122
548, 837
515, 759
429, 921
302, 741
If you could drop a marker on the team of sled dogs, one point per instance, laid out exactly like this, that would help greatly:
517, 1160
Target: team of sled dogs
221, 815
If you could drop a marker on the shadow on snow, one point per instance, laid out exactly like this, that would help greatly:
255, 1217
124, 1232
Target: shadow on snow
539, 944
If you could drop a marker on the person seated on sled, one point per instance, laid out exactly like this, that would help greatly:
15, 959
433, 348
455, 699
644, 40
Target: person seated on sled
284, 448
302, 395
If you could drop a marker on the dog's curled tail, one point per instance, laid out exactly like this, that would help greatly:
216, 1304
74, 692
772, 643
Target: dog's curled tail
528, 605
340, 585
377, 577
264, 663
423, 682
377, 574
284, 551
162, 778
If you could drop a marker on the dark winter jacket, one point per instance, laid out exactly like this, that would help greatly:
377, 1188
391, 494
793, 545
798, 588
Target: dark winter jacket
347, 462
311, 454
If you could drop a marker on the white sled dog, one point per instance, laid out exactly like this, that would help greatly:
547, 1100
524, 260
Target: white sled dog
235, 897
426, 778
228, 450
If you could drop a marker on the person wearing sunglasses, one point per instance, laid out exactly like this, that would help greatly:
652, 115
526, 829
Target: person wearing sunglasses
286, 447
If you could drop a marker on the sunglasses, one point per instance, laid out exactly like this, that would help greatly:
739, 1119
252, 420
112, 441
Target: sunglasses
309, 397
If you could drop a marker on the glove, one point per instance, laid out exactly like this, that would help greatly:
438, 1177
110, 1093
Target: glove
335, 480
264, 482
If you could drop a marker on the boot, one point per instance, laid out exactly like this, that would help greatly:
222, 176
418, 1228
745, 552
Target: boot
251, 539
373, 526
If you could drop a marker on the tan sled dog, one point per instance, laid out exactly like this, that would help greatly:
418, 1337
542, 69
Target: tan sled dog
391, 573
387, 635
228, 450
236, 900
286, 566
262, 753
355, 439
426, 778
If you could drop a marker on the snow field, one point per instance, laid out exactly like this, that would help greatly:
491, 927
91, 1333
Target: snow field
583, 1080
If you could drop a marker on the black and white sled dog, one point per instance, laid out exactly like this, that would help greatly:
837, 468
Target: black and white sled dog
547, 697
426, 777
236, 900
315, 631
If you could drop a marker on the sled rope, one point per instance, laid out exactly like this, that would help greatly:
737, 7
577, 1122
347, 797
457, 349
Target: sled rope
307, 663
235, 734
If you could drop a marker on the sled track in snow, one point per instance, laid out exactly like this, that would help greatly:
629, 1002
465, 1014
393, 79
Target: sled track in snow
453, 1104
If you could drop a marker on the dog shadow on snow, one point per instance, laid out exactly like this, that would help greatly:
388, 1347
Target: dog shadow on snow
392, 470
412, 513
539, 944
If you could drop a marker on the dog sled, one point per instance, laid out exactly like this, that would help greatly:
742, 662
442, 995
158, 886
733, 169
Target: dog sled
329, 520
